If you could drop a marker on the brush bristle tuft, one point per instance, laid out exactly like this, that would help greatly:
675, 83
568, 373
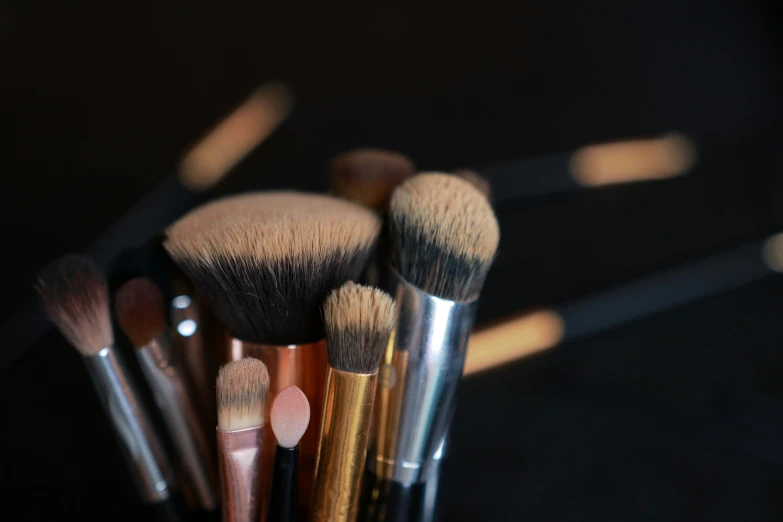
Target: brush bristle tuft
266, 261
75, 296
359, 320
140, 311
445, 235
290, 416
368, 176
242, 390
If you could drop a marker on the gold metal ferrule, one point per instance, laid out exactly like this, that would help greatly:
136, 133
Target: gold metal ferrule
342, 447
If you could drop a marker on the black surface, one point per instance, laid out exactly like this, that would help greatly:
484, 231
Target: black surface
646, 422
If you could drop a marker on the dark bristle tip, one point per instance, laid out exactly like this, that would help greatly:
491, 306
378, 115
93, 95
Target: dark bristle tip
445, 235
266, 265
75, 296
140, 309
359, 320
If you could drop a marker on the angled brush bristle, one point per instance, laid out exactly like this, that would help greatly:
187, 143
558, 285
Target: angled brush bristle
290, 416
75, 296
445, 235
242, 390
266, 261
140, 310
478, 181
368, 176
359, 320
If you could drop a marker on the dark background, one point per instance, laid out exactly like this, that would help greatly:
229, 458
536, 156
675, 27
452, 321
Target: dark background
100, 99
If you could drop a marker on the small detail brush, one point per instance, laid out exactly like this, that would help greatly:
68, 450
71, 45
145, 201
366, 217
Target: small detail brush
75, 295
266, 262
358, 322
242, 388
141, 315
289, 417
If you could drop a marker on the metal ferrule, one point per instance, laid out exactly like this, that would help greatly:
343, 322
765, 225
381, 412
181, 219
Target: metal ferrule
239, 457
342, 448
418, 384
181, 417
305, 366
147, 461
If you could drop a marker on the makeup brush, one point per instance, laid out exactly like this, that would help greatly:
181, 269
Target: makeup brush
242, 389
75, 296
265, 262
358, 322
141, 315
368, 176
445, 236
289, 417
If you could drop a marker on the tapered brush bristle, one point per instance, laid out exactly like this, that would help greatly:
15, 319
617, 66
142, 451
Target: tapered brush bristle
359, 320
140, 311
368, 176
266, 261
242, 390
445, 235
290, 416
75, 296
480, 182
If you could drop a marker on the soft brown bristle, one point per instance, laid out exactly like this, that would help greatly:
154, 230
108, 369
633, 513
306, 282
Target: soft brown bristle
368, 176
242, 390
445, 235
475, 179
359, 320
140, 311
75, 296
267, 260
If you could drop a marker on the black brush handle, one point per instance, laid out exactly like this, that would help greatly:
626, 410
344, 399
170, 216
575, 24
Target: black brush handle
283, 495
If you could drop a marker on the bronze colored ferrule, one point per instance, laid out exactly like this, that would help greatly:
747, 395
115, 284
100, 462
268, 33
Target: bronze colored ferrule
305, 366
239, 457
342, 447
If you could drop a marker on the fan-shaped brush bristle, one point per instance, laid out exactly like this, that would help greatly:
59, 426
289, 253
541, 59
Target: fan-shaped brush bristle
266, 261
140, 310
242, 390
359, 320
445, 235
474, 178
75, 296
290, 416
368, 176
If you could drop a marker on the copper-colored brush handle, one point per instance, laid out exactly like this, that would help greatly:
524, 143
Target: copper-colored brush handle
305, 366
342, 448
239, 457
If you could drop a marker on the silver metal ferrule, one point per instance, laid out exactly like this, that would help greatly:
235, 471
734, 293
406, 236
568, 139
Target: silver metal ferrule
421, 377
147, 461
179, 413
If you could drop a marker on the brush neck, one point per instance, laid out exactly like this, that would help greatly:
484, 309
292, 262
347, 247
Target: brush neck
418, 384
239, 457
342, 448
283, 497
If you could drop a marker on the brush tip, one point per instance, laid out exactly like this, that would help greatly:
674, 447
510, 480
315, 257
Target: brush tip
359, 320
140, 310
242, 390
445, 235
75, 296
290, 416
368, 176
477, 180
